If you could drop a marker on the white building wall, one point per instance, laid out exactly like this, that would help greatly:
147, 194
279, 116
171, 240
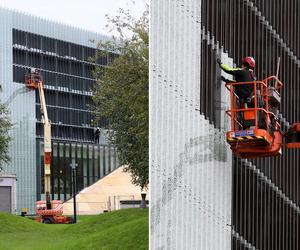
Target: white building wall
190, 163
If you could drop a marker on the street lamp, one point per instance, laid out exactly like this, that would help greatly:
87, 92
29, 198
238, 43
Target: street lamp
73, 166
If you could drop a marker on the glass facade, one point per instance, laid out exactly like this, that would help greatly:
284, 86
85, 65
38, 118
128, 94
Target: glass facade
68, 77
93, 162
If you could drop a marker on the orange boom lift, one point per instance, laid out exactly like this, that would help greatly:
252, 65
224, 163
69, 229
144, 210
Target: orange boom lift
255, 128
47, 211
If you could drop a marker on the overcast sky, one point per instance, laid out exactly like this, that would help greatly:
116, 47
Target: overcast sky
87, 14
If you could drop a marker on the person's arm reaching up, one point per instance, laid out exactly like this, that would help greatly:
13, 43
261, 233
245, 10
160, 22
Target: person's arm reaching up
228, 69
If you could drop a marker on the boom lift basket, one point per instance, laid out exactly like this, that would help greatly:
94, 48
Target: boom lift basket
33, 80
255, 132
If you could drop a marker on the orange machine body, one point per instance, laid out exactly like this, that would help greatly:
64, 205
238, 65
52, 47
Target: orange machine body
53, 215
254, 129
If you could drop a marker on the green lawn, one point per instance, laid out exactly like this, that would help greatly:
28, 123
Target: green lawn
123, 229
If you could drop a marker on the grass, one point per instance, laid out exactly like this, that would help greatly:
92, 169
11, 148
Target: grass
123, 229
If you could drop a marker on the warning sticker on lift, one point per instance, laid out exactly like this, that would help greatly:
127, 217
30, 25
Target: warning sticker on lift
242, 133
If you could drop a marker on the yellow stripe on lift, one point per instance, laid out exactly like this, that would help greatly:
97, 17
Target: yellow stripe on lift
245, 138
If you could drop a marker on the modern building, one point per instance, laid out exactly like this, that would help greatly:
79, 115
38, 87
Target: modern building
63, 55
202, 197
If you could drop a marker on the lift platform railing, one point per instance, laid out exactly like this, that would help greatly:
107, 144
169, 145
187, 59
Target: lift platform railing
259, 102
32, 80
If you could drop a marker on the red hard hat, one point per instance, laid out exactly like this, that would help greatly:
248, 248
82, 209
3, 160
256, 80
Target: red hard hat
249, 61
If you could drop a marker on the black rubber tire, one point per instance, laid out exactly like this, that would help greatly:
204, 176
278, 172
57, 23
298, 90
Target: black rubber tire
71, 221
47, 221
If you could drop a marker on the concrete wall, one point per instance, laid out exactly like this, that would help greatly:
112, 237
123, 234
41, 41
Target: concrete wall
190, 163
10, 181
21, 102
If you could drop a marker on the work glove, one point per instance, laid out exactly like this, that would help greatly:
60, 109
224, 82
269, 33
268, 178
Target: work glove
219, 61
224, 79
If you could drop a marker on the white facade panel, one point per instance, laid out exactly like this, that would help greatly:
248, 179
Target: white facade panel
190, 163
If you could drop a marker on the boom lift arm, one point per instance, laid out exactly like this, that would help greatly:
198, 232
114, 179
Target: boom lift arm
46, 211
34, 80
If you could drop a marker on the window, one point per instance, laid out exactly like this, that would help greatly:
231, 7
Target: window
49, 63
49, 78
88, 85
19, 37
62, 48
88, 71
102, 60
34, 60
88, 53
33, 41
63, 66
76, 69
76, 83
63, 80
19, 74
48, 44
76, 51
19, 57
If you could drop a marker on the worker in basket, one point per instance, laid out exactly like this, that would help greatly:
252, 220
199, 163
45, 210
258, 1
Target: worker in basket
35, 75
244, 92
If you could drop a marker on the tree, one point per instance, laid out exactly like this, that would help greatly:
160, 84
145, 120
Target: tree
121, 92
5, 126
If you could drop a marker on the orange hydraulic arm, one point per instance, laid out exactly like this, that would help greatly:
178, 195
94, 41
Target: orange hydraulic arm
34, 80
